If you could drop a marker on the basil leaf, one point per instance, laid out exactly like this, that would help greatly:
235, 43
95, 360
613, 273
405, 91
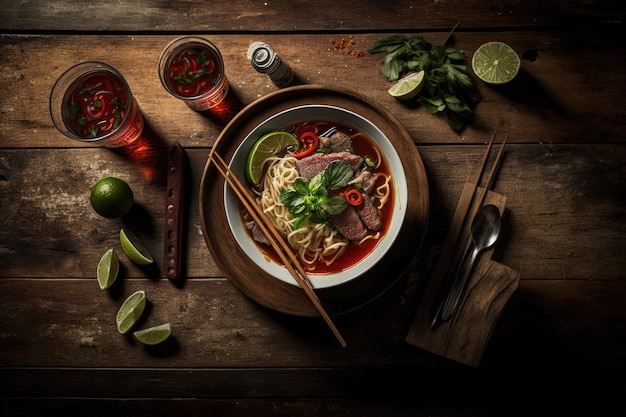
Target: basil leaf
445, 74
335, 205
338, 174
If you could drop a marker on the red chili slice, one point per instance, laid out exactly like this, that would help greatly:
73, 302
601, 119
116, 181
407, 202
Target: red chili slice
353, 197
309, 143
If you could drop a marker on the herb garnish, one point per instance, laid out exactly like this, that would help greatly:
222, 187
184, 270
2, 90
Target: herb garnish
448, 90
310, 199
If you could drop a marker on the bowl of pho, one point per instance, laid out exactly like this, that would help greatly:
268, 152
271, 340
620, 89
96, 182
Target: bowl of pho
330, 182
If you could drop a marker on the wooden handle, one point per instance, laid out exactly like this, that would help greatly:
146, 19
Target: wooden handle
174, 212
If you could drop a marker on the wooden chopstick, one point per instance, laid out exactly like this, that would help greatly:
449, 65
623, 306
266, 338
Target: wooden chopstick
459, 230
491, 177
276, 240
466, 200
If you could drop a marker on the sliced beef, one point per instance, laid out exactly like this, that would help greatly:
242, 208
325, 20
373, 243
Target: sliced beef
257, 233
349, 224
310, 166
365, 180
337, 142
369, 215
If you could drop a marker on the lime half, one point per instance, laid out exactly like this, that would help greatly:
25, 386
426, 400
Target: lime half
130, 312
408, 86
134, 248
153, 335
270, 144
495, 63
108, 268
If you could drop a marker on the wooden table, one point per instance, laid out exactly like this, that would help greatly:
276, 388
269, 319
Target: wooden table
560, 344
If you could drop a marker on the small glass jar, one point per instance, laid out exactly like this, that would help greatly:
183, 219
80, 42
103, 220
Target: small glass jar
92, 103
192, 70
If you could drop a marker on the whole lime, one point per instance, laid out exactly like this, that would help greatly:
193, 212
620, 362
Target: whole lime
111, 197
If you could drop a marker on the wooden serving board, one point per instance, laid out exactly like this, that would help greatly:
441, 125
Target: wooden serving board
271, 292
464, 337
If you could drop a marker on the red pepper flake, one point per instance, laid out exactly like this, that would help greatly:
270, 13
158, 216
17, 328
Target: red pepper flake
346, 47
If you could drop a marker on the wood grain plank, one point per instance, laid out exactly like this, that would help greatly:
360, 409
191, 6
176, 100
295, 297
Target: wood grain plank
550, 101
71, 323
240, 15
48, 228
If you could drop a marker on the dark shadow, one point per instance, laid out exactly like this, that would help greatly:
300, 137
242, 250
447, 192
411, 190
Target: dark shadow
148, 153
168, 347
224, 112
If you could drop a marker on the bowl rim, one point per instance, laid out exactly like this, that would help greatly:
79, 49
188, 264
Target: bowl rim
335, 114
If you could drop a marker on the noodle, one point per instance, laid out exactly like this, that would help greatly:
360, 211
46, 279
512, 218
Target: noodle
315, 244
383, 191
313, 241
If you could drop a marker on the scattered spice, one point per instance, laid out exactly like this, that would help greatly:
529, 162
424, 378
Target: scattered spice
346, 47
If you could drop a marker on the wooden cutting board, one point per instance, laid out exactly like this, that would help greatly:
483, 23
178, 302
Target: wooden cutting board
464, 337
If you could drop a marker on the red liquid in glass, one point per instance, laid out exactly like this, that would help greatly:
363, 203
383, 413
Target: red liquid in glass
97, 106
193, 72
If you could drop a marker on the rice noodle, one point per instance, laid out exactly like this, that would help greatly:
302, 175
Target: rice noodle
313, 242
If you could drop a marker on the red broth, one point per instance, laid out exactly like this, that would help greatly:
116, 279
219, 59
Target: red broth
354, 252
96, 106
193, 72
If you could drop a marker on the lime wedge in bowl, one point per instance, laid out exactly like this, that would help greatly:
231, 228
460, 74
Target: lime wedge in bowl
495, 63
270, 144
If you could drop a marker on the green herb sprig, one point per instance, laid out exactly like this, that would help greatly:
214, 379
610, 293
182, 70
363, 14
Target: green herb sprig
448, 90
311, 200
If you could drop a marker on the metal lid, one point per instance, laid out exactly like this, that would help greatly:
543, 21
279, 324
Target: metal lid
261, 55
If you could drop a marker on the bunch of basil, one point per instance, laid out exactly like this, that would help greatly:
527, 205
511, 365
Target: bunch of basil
448, 90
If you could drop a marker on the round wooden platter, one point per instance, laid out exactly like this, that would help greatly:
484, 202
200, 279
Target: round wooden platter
278, 295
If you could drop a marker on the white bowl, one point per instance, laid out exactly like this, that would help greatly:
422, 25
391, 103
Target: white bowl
335, 115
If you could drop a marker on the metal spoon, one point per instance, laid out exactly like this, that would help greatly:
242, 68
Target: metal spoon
484, 232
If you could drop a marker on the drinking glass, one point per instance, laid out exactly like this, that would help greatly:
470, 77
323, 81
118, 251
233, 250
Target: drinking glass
92, 103
192, 70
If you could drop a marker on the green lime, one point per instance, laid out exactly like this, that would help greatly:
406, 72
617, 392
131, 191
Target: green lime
111, 197
495, 63
153, 335
408, 86
134, 248
108, 268
270, 144
130, 312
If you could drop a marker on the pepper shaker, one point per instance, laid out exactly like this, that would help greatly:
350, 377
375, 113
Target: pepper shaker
266, 61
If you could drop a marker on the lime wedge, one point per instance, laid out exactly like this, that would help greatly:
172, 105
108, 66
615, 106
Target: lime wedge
408, 86
153, 335
130, 311
108, 268
270, 144
495, 63
134, 248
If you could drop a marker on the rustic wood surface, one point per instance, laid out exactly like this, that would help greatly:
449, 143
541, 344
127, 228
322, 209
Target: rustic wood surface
557, 348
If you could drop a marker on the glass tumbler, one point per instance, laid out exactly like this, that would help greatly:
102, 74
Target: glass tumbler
192, 70
92, 103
